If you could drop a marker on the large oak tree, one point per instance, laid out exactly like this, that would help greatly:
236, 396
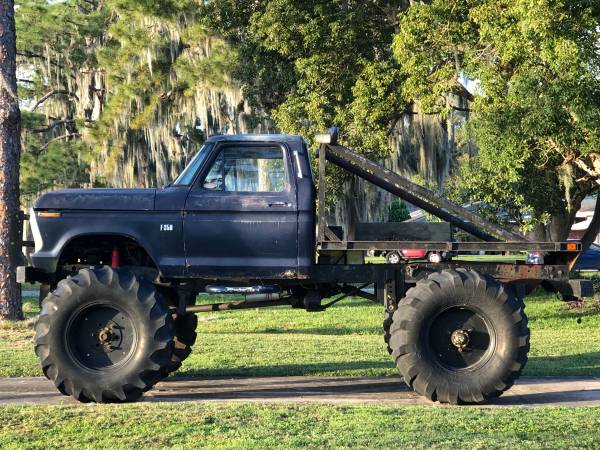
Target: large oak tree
534, 67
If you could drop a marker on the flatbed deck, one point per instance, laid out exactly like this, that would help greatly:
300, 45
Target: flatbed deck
511, 246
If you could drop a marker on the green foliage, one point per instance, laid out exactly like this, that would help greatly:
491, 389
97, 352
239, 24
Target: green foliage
49, 164
533, 68
319, 63
61, 165
536, 109
64, 27
125, 77
53, 40
397, 212
376, 106
341, 60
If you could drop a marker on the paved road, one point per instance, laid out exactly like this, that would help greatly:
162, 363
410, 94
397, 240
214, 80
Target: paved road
334, 390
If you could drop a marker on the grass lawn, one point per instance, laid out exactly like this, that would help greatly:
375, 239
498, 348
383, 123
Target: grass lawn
492, 258
344, 340
249, 426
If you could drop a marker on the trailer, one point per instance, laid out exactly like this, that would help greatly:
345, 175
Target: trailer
123, 269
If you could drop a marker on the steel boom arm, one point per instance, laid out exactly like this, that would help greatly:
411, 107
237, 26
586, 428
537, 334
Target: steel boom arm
418, 195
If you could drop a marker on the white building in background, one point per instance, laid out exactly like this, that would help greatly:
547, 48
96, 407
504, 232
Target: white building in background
583, 218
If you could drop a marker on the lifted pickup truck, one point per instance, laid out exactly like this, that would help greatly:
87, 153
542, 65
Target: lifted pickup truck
123, 268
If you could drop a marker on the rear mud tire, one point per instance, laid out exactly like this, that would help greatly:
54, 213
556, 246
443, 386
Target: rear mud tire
443, 312
185, 338
104, 336
387, 323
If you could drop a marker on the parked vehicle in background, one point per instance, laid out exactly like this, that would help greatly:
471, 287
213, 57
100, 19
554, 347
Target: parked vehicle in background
397, 256
589, 260
535, 258
408, 232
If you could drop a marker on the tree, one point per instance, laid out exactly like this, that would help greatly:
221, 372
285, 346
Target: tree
397, 211
313, 64
10, 149
141, 84
60, 89
336, 64
535, 115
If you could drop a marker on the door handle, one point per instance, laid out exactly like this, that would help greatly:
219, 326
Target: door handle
279, 204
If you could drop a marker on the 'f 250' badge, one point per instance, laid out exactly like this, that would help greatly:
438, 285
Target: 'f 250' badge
166, 227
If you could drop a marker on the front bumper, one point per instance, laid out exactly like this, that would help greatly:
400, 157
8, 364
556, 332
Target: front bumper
28, 274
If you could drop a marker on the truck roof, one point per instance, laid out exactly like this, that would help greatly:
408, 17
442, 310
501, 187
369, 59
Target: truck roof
289, 138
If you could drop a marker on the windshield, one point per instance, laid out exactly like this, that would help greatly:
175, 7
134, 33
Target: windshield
187, 176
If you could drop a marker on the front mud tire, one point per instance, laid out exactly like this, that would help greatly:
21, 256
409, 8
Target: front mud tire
104, 336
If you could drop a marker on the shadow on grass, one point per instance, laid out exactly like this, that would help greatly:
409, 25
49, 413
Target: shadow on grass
323, 331
290, 369
352, 302
566, 314
582, 364
585, 364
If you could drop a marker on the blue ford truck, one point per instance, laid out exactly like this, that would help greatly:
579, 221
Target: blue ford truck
122, 269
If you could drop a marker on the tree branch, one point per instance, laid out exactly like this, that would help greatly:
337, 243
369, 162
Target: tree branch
53, 125
435, 113
58, 138
50, 94
458, 108
53, 63
593, 175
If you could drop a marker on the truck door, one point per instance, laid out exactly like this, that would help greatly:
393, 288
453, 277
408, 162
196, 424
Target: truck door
241, 215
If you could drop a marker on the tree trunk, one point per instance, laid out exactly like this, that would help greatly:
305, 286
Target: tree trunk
593, 229
560, 225
10, 151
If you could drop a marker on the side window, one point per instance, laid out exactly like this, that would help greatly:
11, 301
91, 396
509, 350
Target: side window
247, 169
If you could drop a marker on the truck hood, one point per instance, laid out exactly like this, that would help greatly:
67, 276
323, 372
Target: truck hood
98, 199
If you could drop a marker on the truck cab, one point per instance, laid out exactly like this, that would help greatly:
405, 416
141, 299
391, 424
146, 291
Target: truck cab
242, 208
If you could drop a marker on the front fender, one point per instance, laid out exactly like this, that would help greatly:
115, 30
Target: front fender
164, 247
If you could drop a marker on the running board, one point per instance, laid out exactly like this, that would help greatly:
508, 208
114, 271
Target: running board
243, 290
